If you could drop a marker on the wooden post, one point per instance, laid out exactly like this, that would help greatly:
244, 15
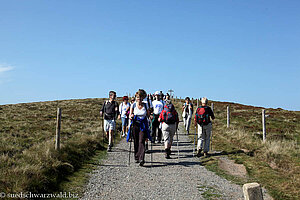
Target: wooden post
212, 106
58, 126
264, 124
228, 116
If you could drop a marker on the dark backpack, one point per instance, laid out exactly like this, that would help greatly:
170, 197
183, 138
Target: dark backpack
170, 115
202, 115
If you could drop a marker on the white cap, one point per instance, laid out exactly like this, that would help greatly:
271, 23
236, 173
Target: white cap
157, 93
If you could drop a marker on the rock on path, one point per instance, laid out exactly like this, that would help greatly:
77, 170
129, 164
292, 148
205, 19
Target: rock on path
165, 179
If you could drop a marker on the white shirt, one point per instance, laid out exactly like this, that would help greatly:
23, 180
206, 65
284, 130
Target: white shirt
139, 112
157, 107
122, 109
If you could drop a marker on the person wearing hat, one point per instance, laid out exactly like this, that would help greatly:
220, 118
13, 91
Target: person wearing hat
110, 111
139, 130
124, 109
203, 117
157, 108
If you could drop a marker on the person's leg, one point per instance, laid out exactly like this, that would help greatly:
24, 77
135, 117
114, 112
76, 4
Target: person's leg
188, 124
154, 127
207, 130
200, 140
123, 126
141, 149
136, 141
159, 133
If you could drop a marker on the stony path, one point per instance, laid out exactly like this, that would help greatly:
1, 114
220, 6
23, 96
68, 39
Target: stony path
165, 179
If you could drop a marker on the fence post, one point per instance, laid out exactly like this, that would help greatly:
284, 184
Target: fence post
264, 124
58, 125
212, 106
228, 116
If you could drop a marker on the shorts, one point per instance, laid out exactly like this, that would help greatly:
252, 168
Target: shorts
124, 121
109, 125
168, 131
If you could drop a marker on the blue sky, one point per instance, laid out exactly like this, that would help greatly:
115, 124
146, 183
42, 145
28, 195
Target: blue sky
239, 51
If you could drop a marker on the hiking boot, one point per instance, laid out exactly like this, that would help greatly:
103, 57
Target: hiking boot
142, 163
109, 149
167, 155
206, 154
199, 154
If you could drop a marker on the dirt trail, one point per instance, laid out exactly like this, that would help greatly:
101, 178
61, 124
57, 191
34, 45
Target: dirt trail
165, 179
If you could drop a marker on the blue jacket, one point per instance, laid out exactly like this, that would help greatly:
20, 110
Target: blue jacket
144, 127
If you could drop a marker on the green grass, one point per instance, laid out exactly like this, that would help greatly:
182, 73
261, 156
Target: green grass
28, 160
275, 164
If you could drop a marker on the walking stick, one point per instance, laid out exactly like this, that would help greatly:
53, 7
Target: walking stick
211, 139
130, 138
177, 143
194, 141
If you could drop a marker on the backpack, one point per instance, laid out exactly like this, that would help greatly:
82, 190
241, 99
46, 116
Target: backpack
170, 115
202, 116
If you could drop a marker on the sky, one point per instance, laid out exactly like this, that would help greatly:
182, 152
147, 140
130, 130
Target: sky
243, 51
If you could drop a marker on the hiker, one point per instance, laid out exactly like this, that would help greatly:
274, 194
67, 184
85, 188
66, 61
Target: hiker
203, 117
140, 130
158, 106
187, 112
110, 111
124, 109
148, 101
170, 120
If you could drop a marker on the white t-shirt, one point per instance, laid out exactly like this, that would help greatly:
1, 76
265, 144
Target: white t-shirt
122, 109
157, 107
139, 112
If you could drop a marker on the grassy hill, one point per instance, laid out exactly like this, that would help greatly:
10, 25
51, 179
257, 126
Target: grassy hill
276, 163
29, 162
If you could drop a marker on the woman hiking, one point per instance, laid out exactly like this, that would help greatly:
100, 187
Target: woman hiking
169, 117
110, 111
124, 109
187, 112
139, 129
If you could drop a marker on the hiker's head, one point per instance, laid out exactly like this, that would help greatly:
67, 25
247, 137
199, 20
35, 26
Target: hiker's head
157, 95
132, 100
167, 96
204, 101
112, 95
187, 100
140, 95
125, 99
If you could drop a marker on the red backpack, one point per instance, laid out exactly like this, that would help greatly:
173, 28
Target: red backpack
202, 116
170, 115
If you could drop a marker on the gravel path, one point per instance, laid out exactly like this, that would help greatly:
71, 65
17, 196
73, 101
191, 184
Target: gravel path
165, 179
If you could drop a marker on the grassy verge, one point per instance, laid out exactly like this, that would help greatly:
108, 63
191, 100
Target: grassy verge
275, 164
28, 160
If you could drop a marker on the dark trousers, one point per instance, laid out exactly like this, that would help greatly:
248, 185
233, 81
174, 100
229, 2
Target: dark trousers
155, 125
139, 138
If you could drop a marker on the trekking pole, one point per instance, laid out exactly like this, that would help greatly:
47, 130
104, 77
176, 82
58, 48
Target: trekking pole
194, 141
211, 133
129, 151
177, 143
101, 119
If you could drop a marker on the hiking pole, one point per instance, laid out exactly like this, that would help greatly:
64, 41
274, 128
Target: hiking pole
177, 143
194, 141
130, 138
211, 139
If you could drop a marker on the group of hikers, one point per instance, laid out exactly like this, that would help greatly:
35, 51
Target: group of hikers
153, 118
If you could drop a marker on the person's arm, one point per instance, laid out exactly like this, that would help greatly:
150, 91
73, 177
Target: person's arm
195, 119
212, 114
120, 111
131, 115
102, 109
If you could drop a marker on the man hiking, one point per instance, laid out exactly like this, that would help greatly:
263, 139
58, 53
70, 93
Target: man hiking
170, 120
157, 108
203, 117
110, 111
124, 110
